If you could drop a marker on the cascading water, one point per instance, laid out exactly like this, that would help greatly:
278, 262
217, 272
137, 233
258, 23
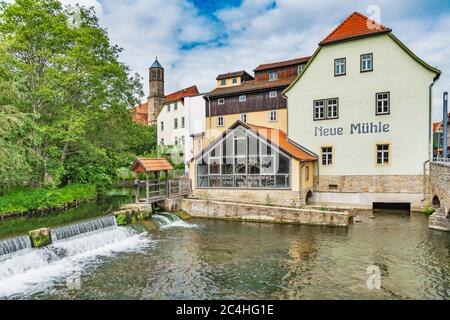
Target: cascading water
83, 227
165, 220
14, 244
32, 270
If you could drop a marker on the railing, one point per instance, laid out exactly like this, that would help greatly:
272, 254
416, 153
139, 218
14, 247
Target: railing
441, 160
166, 189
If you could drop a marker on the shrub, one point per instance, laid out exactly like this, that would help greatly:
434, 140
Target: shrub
428, 211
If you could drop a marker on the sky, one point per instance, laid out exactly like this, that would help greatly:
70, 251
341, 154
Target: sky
196, 40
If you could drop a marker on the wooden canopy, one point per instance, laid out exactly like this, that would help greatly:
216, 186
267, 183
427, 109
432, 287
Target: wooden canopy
150, 165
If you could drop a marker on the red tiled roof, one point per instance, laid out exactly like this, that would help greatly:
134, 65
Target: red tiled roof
187, 92
248, 86
355, 25
140, 113
278, 137
150, 165
281, 64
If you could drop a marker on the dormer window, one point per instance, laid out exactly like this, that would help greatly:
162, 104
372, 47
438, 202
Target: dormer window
234, 80
339, 67
223, 82
273, 76
221, 101
301, 68
242, 98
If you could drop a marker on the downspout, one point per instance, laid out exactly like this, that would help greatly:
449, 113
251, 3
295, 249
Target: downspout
430, 150
209, 116
302, 163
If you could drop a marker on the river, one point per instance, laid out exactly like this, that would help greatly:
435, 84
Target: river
216, 259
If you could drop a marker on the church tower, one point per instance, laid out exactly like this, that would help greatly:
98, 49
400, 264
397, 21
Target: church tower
156, 97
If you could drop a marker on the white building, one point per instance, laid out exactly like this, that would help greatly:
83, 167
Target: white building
181, 117
363, 105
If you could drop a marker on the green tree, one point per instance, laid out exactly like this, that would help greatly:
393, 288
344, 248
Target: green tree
72, 90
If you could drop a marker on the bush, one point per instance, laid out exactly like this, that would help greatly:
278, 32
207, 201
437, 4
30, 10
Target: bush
45, 198
428, 211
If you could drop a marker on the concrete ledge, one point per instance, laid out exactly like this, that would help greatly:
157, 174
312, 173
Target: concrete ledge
439, 221
260, 213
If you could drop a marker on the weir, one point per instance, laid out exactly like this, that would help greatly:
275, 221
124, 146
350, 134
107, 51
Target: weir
83, 227
14, 244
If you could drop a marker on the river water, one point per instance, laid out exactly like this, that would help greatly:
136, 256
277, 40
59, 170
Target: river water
213, 259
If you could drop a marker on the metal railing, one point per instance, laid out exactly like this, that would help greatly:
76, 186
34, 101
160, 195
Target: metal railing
441, 160
158, 191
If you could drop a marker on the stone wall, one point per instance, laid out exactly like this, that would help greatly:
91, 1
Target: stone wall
440, 184
371, 183
260, 213
272, 197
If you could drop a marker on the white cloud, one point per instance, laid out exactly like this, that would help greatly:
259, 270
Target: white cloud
255, 34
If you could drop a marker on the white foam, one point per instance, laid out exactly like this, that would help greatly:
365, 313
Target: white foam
34, 270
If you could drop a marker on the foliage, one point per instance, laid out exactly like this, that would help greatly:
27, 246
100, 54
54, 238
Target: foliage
267, 200
121, 219
44, 198
65, 99
428, 211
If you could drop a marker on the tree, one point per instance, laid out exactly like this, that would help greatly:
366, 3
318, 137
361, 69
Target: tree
71, 91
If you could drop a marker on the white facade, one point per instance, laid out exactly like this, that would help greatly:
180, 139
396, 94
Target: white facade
178, 120
405, 128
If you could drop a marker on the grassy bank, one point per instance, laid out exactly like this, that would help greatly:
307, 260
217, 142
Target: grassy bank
44, 198
90, 210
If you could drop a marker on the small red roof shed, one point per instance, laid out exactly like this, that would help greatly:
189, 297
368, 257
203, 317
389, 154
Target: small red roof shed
150, 165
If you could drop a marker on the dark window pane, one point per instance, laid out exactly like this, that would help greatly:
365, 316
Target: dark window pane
253, 165
202, 169
267, 181
240, 181
283, 164
240, 165
227, 181
214, 166
253, 181
281, 181
214, 181
202, 182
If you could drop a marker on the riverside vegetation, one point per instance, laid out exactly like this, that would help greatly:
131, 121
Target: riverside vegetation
66, 129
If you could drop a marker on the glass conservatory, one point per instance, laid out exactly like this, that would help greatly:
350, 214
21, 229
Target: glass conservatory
242, 159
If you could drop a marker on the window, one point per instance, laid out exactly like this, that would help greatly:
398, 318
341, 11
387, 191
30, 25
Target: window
175, 106
182, 140
168, 108
162, 126
273, 116
307, 173
327, 156
175, 123
162, 141
220, 121
182, 122
272, 94
339, 67
273, 76
242, 98
319, 109
326, 109
243, 117
176, 141
241, 159
234, 80
332, 108
301, 68
382, 154
366, 62
221, 101
382, 103
223, 82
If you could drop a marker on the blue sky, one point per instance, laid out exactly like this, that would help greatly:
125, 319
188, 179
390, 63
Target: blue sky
195, 40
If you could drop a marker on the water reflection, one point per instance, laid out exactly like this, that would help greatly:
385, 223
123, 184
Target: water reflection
225, 259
